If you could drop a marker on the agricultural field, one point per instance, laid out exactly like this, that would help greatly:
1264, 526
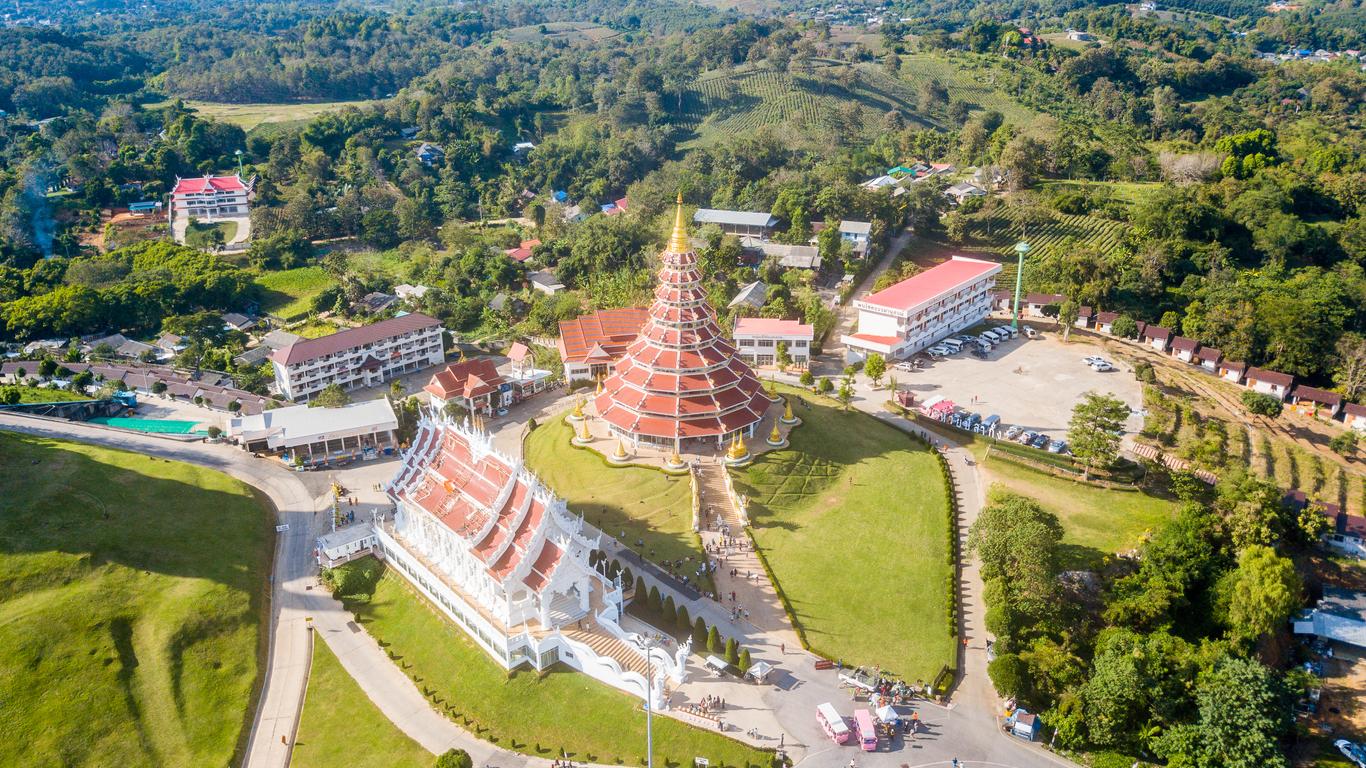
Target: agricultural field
131, 605
569, 31
831, 99
288, 294
251, 116
974, 85
820, 103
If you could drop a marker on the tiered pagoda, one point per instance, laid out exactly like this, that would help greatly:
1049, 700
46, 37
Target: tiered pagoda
680, 380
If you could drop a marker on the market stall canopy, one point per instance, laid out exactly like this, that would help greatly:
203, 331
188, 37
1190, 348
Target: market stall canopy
760, 670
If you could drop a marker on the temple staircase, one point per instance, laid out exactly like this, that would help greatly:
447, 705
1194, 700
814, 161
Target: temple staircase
608, 646
715, 500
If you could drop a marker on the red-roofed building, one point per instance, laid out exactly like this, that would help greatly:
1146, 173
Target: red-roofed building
616, 208
1183, 348
757, 340
209, 198
913, 314
1271, 383
1355, 416
1313, 401
590, 344
475, 385
680, 380
504, 559
522, 252
358, 357
1155, 336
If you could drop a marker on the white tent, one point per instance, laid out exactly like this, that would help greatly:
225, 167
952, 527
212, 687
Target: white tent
759, 670
716, 663
888, 714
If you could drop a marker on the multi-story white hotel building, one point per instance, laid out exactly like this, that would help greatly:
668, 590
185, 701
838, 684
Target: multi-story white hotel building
358, 357
757, 340
907, 317
209, 198
479, 536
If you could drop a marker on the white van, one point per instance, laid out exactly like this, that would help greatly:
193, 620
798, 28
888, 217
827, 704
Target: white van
953, 345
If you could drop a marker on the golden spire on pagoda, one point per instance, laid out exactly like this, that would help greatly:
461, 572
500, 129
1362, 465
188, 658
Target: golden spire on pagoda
678, 241
775, 436
620, 453
737, 448
787, 412
578, 408
675, 460
583, 431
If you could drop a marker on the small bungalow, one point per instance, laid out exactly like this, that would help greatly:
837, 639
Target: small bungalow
1230, 370
430, 154
1313, 401
236, 321
1155, 336
753, 295
1105, 321
1355, 416
377, 301
964, 190
1209, 358
1036, 302
1002, 300
1270, 382
1085, 315
1183, 349
545, 281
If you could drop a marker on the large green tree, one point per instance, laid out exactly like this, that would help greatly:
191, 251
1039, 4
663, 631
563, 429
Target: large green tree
1094, 431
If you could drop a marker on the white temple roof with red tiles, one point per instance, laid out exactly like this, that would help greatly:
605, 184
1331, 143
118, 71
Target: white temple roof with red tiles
512, 524
681, 378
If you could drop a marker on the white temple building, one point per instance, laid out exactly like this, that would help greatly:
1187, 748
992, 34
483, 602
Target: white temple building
483, 539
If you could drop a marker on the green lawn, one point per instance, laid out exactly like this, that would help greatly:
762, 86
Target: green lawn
289, 294
29, 394
341, 726
197, 232
131, 598
852, 518
647, 504
1096, 521
537, 715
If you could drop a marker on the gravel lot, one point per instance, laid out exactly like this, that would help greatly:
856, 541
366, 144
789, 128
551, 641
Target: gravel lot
1030, 382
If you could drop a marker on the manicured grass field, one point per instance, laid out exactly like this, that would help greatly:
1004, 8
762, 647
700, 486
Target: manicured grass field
341, 726
1096, 521
562, 710
288, 294
131, 598
648, 505
852, 518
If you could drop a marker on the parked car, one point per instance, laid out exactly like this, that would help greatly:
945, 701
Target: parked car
1354, 752
1102, 367
1093, 359
938, 351
1039, 441
1030, 333
996, 335
1028, 436
1009, 331
1057, 446
1013, 432
965, 338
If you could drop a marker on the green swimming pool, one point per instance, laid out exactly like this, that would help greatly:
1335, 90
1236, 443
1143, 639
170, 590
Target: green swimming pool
158, 426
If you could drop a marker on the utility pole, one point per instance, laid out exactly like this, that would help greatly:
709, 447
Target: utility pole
1021, 248
645, 646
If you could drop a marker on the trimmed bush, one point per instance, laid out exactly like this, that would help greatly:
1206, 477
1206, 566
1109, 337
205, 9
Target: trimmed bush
699, 634
732, 651
669, 613
653, 601
714, 640
745, 661
684, 621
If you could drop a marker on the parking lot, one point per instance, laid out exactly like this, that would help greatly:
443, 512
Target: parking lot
1033, 383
